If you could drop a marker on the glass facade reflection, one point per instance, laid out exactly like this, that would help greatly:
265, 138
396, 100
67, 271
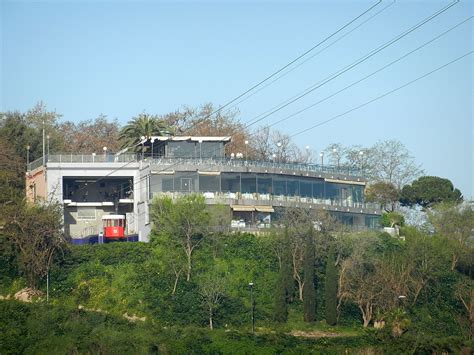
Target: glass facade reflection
249, 185
185, 149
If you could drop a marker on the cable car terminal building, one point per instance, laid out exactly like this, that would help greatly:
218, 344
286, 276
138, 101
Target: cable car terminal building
94, 187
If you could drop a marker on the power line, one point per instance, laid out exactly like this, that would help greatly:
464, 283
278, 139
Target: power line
285, 66
382, 96
335, 75
311, 57
371, 74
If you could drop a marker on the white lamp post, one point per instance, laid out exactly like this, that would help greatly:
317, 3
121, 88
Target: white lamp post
28, 155
252, 304
105, 153
322, 159
152, 142
246, 150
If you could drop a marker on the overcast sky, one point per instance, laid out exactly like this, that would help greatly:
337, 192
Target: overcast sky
84, 58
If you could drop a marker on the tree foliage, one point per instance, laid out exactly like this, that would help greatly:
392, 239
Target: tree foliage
392, 219
456, 224
427, 191
143, 125
309, 291
330, 288
35, 231
284, 288
185, 221
90, 136
383, 193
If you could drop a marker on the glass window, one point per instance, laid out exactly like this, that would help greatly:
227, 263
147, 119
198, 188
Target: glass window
210, 149
306, 188
161, 183
372, 222
293, 186
181, 150
209, 183
185, 181
249, 183
230, 182
279, 185
332, 191
264, 184
358, 193
318, 189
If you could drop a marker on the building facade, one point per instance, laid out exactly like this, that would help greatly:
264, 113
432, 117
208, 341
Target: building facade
255, 193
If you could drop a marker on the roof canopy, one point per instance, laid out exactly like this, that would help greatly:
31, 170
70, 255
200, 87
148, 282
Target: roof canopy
186, 138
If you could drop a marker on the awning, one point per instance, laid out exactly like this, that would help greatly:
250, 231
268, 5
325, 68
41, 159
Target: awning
162, 172
349, 182
241, 208
268, 209
213, 173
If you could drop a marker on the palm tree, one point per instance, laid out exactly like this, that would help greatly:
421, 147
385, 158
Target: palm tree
144, 125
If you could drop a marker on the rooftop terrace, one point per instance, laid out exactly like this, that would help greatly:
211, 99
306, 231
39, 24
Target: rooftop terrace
169, 163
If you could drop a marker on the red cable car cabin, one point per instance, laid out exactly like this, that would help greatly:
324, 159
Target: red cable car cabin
114, 226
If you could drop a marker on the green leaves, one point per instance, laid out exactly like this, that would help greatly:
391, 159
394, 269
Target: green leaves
428, 191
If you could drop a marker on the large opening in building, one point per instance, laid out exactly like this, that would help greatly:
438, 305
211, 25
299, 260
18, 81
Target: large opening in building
97, 189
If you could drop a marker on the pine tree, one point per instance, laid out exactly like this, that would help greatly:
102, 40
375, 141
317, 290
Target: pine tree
331, 288
309, 291
284, 288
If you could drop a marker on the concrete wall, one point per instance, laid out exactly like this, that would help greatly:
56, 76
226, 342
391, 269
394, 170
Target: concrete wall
35, 185
57, 171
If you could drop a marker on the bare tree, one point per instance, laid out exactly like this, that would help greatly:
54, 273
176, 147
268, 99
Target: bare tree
261, 144
35, 231
335, 153
392, 163
211, 288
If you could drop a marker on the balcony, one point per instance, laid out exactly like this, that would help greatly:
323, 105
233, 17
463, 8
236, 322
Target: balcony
207, 163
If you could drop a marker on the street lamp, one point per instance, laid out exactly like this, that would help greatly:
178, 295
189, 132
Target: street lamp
152, 141
252, 305
322, 159
246, 150
307, 154
200, 149
336, 155
47, 139
279, 151
105, 153
28, 155
142, 138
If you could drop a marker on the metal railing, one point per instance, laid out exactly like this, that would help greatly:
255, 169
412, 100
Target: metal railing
238, 198
207, 162
241, 163
83, 158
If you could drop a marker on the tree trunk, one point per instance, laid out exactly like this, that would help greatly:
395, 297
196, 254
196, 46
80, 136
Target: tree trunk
210, 320
175, 282
366, 314
454, 261
188, 273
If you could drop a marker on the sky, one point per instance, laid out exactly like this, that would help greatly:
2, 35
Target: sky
121, 58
